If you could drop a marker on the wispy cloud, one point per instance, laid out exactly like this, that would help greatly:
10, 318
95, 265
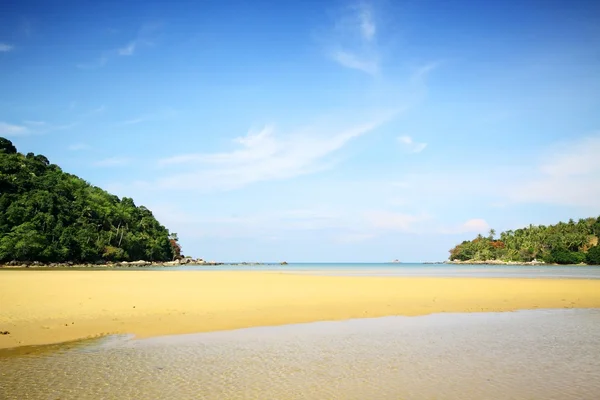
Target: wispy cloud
367, 25
97, 63
112, 162
127, 50
393, 221
264, 156
35, 123
475, 225
8, 130
568, 175
423, 71
412, 146
564, 174
78, 147
351, 238
162, 114
98, 110
4, 48
31, 128
144, 38
269, 223
354, 61
353, 44
133, 121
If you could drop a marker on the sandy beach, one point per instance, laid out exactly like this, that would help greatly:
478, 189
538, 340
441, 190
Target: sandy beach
43, 307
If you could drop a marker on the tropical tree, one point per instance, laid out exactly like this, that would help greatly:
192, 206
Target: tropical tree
49, 215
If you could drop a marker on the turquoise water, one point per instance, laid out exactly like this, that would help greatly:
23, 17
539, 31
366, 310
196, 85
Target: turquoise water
384, 269
410, 269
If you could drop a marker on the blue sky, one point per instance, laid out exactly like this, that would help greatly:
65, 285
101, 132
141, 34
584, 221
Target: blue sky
315, 131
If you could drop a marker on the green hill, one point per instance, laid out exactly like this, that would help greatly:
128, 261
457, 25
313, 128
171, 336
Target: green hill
49, 215
564, 243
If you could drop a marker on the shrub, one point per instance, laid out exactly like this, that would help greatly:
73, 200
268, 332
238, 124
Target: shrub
593, 256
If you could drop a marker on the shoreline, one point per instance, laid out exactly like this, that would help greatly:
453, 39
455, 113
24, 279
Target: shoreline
40, 308
500, 262
109, 264
16, 265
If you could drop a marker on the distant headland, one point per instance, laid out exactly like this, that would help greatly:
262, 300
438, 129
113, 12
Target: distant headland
574, 243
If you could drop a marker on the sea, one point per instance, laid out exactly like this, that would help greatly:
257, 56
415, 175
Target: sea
403, 269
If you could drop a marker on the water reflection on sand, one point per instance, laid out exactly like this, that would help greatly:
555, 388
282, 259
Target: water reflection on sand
541, 354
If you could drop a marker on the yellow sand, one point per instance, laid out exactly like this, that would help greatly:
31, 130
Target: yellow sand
40, 307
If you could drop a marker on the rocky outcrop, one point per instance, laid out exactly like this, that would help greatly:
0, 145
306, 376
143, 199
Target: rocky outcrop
108, 264
496, 262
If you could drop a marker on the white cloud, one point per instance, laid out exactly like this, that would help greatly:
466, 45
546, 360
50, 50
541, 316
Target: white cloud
7, 129
98, 63
275, 223
78, 147
351, 60
394, 221
367, 25
35, 123
134, 121
143, 39
160, 114
5, 47
411, 145
568, 175
423, 71
265, 156
476, 225
353, 45
97, 110
127, 50
577, 158
112, 162
351, 238
31, 128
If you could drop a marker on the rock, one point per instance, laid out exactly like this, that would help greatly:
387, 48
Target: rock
139, 263
4, 333
284, 263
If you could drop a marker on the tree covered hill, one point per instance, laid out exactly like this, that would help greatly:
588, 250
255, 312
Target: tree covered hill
49, 215
563, 243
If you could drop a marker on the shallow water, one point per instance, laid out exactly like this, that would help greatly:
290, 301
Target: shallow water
386, 269
541, 354
413, 269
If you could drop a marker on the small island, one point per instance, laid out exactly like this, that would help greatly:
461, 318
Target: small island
574, 243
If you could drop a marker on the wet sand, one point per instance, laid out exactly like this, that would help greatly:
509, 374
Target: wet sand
42, 307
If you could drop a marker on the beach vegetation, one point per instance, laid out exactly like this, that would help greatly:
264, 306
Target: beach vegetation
572, 242
49, 215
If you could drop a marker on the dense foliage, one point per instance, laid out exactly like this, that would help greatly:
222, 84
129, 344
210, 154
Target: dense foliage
563, 243
51, 216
